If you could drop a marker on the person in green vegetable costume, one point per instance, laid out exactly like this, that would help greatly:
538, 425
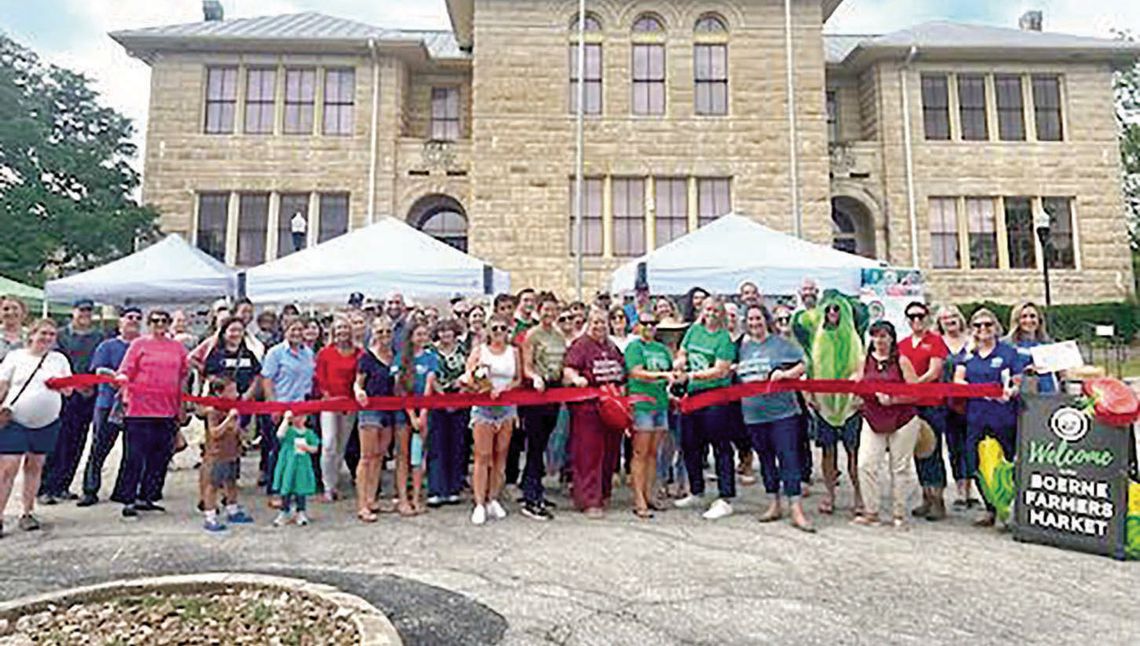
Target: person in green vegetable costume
831, 334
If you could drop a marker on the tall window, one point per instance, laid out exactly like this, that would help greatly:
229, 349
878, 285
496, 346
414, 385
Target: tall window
936, 107
291, 205
213, 213
591, 217
648, 79
253, 227
944, 233
340, 95
334, 216
221, 99
1047, 108
447, 226
714, 199
1010, 108
260, 94
445, 113
629, 217
843, 234
983, 233
593, 100
710, 64
1060, 210
1019, 233
300, 94
972, 107
672, 201
832, 117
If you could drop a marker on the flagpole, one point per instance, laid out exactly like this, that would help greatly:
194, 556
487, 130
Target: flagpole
579, 161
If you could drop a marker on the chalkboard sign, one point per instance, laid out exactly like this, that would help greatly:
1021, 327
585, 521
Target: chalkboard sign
1072, 477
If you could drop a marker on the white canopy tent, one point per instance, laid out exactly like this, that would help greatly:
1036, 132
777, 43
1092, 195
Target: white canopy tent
732, 249
388, 255
169, 271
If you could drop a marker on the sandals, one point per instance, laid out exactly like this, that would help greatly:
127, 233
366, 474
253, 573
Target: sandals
805, 527
863, 520
771, 515
405, 509
643, 514
366, 516
827, 506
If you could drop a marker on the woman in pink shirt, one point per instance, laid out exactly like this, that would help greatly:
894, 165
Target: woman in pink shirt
155, 369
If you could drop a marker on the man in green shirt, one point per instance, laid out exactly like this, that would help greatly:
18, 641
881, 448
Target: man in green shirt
705, 360
649, 363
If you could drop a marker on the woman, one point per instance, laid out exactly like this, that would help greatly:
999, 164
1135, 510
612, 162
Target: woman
32, 431
665, 311
476, 334
335, 376
694, 303
418, 372
927, 354
286, 376
619, 328
230, 356
313, 335
447, 452
650, 366
952, 327
359, 326
890, 425
592, 360
493, 367
705, 361
782, 326
670, 460
180, 326
375, 370
12, 315
1026, 331
773, 421
989, 361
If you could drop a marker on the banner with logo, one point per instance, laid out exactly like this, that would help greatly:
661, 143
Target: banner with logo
1072, 477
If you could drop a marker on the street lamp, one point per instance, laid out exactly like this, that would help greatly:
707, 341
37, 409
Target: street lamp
1043, 226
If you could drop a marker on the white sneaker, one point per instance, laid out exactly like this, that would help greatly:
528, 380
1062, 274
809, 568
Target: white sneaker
496, 510
687, 501
302, 519
718, 509
479, 515
283, 518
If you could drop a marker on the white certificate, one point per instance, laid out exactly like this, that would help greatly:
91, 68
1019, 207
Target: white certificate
1056, 357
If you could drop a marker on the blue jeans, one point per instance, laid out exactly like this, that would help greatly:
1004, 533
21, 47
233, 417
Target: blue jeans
268, 460
105, 434
778, 442
667, 453
539, 423
956, 445
293, 502
932, 470
978, 430
447, 454
712, 425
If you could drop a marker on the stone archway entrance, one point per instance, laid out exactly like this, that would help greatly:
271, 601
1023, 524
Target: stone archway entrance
442, 217
852, 227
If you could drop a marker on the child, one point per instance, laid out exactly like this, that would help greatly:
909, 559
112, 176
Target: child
293, 478
223, 459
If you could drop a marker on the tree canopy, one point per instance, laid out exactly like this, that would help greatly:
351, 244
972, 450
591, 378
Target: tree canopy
65, 180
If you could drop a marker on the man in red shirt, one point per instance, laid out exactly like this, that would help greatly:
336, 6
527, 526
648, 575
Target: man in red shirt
927, 352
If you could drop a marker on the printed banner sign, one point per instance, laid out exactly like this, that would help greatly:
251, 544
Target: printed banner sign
1072, 478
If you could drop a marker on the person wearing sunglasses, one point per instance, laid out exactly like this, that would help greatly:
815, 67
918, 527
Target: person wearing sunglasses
650, 366
152, 414
375, 370
543, 352
927, 354
991, 361
1026, 331
447, 442
493, 368
782, 327
955, 335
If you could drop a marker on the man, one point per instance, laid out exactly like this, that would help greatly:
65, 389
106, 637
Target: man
356, 301
108, 407
524, 315
578, 317
542, 351
77, 342
396, 310
927, 353
809, 294
750, 295
286, 376
603, 300
640, 304
298, 226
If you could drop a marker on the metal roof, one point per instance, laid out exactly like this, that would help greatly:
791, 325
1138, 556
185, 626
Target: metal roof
837, 47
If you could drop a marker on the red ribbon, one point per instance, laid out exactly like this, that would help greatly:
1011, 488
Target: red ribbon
718, 396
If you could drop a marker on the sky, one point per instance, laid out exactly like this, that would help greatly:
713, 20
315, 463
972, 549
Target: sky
73, 33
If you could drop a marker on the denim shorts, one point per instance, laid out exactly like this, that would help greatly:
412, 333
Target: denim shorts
493, 414
828, 436
416, 448
17, 439
384, 418
656, 420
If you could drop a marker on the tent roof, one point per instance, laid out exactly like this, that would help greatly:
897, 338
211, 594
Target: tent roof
388, 255
735, 248
9, 287
168, 271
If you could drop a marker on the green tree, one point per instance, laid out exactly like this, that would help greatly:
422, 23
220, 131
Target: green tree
65, 180
1128, 116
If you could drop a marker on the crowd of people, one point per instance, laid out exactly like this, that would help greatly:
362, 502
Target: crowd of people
658, 348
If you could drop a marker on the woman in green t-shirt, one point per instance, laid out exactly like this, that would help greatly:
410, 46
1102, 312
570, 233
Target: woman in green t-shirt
705, 360
650, 365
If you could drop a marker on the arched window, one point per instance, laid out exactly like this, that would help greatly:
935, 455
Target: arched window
592, 23
441, 217
710, 24
843, 235
648, 24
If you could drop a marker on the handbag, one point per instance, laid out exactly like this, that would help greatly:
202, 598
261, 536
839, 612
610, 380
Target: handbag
6, 411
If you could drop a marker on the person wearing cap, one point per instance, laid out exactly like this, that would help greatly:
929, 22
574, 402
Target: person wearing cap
108, 415
650, 366
298, 227
641, 302
77, 342
356, 300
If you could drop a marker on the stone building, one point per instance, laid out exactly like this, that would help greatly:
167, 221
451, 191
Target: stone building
932, 147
